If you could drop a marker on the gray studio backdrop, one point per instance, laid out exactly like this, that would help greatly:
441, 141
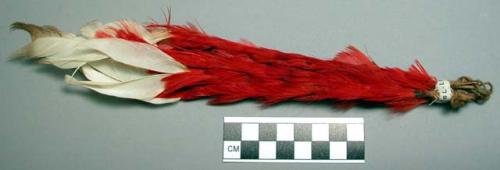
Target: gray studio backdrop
47, 125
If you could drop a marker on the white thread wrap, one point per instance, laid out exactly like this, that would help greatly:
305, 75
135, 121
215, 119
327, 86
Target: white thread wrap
445, 91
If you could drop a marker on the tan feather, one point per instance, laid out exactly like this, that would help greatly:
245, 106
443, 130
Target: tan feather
37, 31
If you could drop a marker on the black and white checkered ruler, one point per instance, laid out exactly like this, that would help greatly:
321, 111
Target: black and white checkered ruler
293, 139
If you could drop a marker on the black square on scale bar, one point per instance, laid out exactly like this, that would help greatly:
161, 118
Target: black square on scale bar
284, 150
355, 150
320, 150
249, 149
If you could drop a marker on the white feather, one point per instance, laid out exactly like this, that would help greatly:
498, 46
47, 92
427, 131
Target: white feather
132, 27
74, 52
46, 46
89, 29
118, 71
136, 54
74, 58
94, 75
145, 89
113, 66
163, 100
158, 34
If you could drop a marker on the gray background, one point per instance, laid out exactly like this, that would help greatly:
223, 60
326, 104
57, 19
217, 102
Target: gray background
44, 124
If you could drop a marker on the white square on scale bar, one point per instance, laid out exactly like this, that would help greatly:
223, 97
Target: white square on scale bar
338, 150
232, 149
284, 132
267, 150
249, 131
320, 132
302, 150
355, 132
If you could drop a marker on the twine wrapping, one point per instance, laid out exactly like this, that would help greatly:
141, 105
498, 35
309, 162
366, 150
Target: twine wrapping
464, 90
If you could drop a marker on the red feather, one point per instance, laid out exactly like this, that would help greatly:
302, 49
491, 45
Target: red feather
230, 71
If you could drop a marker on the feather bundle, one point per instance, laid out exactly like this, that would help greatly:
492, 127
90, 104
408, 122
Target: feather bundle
164, 63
